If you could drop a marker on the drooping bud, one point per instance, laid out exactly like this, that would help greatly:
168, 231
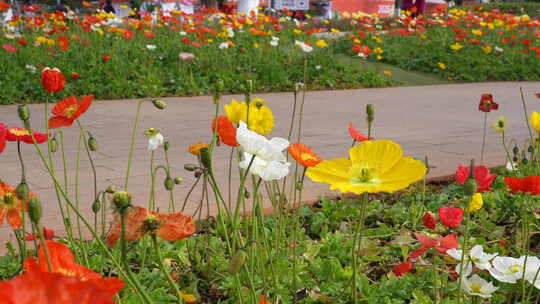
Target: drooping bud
470, 186
122, 200
370, 111
54, 144
190, 167
178, 180
22, 190
34, 209
198, 172
530, 149
237, 261
24, 113
168, 183
206, 158
159, 104
247, 194
218, 91
96, 206
111, 189
524, 161
515, 150
299, 185
92, 144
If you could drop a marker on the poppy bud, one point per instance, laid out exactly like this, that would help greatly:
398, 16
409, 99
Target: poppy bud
34, 209
190, 167
159, 104
206, 158
178, 180
370, 111
92, 144
168, 183
530, 149
96, 206
524, 161
515, 150
22, 190
218, 89
121, 200
515, 159
198, 173
299, 185
111, 189
470, 187
237, 261
247, 195
67, 222
166, 146
54, 144
24, 113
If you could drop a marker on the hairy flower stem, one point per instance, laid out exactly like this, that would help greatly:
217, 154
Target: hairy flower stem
90, 159
132, 144
526, 114
525, 233
39, 232
67, 222
152, 198
464, 250
435, 278
506, 150
296, 227
357, 244
483, 139
22, 245
171, 192
133, 282
163, 269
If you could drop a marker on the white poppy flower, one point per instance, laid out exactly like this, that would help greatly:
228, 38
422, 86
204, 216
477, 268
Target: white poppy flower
532, 273
258, 145
476, 286
274, 43
223, 45
476, 255
151, 47
509, 270
266, 170
155, 139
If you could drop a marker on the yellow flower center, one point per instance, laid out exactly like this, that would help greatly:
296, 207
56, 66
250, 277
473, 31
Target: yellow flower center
515, 268
476, 288
19, 132
362, 175
71, 110
306, 156
8, 200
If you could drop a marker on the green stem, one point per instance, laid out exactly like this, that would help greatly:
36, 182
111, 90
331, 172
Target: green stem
22, 248
526, 114
483, 140
358, 231
132, 144
164, 271
464, 250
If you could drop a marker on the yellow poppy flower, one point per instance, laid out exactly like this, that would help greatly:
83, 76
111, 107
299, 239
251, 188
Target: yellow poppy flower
535, 121
260, 119
476, 202
321, 44
456, 46
373, 166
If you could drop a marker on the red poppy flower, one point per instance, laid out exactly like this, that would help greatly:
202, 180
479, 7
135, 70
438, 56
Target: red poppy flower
10, 48
47, 233
63, 43
529, 184
63, 261
429, 220
41, 287
106, 57
3, 131
481, 175
4, 6
75, 75
304, 155
22, 42
402, 268
20, 134
441, 244
537, 95
11, 206
357, 135
68, 110
451, 217
173, 227
226, 131
487, 104
262, 300
52, 80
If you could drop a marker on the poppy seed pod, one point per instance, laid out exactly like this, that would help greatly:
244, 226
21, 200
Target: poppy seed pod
470, 186
122, 200
168, 183
96, 206
34, 209
54, 144
178, 180
206, 158
159, 104
237, 261
92, 144
190, 167
370, 111
24, 113
22, 190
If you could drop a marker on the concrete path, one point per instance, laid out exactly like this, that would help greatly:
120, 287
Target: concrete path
442, 122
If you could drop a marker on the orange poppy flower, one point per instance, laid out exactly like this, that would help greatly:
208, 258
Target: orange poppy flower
63, 43
63, 261
68, 110
226, 131
10, 206
528, 184
304, 155
357, 135
3, 131
196, 148
172, 227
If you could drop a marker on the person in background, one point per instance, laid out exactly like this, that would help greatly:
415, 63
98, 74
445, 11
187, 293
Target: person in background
417, 7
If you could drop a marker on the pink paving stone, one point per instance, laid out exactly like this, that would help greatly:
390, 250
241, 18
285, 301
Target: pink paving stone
440, 121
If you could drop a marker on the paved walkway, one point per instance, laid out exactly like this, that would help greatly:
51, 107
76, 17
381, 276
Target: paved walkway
440, 121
